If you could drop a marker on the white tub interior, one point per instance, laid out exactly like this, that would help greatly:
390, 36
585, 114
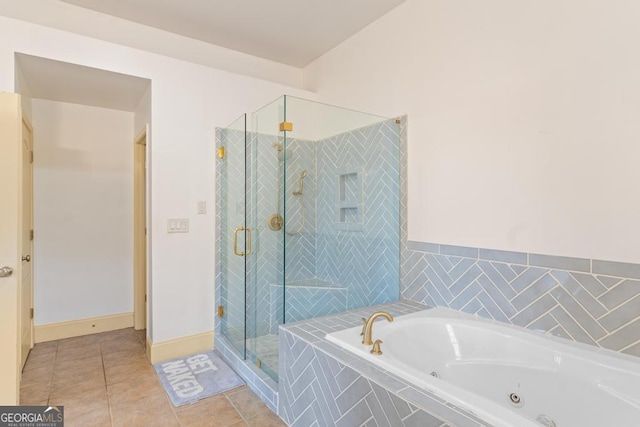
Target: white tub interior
483, 364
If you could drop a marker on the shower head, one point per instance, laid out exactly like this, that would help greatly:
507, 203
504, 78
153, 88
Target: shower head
282, 153
303, 174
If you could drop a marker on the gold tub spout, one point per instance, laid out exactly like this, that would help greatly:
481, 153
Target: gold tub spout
368, 328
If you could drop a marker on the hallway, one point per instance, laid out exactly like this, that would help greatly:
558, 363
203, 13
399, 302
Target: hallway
106, 380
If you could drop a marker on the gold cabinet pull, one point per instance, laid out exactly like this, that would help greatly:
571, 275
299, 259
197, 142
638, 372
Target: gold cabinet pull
235, 241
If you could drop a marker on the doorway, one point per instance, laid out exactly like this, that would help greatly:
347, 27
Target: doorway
90, 269
140, 230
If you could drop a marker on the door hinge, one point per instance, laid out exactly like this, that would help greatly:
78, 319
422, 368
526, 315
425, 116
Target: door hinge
32, 313
286, 126
145, 298
221, 311
259, 363
31, 234
221, 152
31, 156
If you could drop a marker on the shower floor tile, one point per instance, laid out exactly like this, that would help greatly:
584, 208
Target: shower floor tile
265, 348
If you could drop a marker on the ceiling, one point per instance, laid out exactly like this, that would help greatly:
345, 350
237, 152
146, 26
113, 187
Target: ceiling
293, 32
76, 84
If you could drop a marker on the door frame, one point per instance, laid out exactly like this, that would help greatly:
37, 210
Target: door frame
140, 240
10, 245
29, 264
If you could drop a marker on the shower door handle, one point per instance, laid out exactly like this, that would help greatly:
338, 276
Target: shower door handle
248, 230
235, 241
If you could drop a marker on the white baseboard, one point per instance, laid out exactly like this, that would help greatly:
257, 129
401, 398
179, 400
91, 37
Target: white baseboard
76, 328
165, 350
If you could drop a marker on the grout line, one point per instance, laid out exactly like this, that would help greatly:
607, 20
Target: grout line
104, 373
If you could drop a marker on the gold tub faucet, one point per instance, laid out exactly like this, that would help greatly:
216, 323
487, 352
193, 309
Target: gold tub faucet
368, 326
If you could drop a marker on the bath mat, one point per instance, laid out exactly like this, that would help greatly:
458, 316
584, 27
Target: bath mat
191, 378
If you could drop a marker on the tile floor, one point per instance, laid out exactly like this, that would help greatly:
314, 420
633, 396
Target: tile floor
106, 380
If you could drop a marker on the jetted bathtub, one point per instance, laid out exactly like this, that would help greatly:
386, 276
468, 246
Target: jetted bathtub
506, 375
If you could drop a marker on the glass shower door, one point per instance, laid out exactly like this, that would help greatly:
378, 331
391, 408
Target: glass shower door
266, 164
234, 236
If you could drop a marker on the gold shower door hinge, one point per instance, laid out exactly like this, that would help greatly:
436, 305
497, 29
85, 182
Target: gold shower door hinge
221, 311
221, 152
30, 234
32, 313
259, 363
286, 126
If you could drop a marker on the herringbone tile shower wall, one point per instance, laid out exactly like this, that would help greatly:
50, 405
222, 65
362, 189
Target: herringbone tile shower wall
364, 261
328, 269
590, 301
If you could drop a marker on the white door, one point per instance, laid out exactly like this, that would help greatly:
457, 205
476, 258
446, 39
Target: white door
10, 246
26, 294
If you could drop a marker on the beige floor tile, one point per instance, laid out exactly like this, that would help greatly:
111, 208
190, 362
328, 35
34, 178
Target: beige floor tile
40, 359
152, 412
135, 389
77, 342
66, 395
106, 380
120, 338
91, 362
75, 353
117, 333
265, 419
34, 394
45, 347
247, 403
86, 413
212, 411
77, 384
108, 339
81, 372
236, 390
121, 345
38, 375
124, 356
129, 370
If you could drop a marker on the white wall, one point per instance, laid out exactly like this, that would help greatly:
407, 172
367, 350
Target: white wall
523, 119
188, 101
22, 88
83, 211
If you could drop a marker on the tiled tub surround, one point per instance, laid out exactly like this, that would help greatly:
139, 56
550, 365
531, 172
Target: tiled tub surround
589, 301
323, 385
481, 362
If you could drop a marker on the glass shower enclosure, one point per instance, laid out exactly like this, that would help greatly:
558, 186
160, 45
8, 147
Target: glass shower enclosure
309, 212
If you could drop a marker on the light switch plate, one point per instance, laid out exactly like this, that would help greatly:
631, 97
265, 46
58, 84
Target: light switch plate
177, 225
202, 207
